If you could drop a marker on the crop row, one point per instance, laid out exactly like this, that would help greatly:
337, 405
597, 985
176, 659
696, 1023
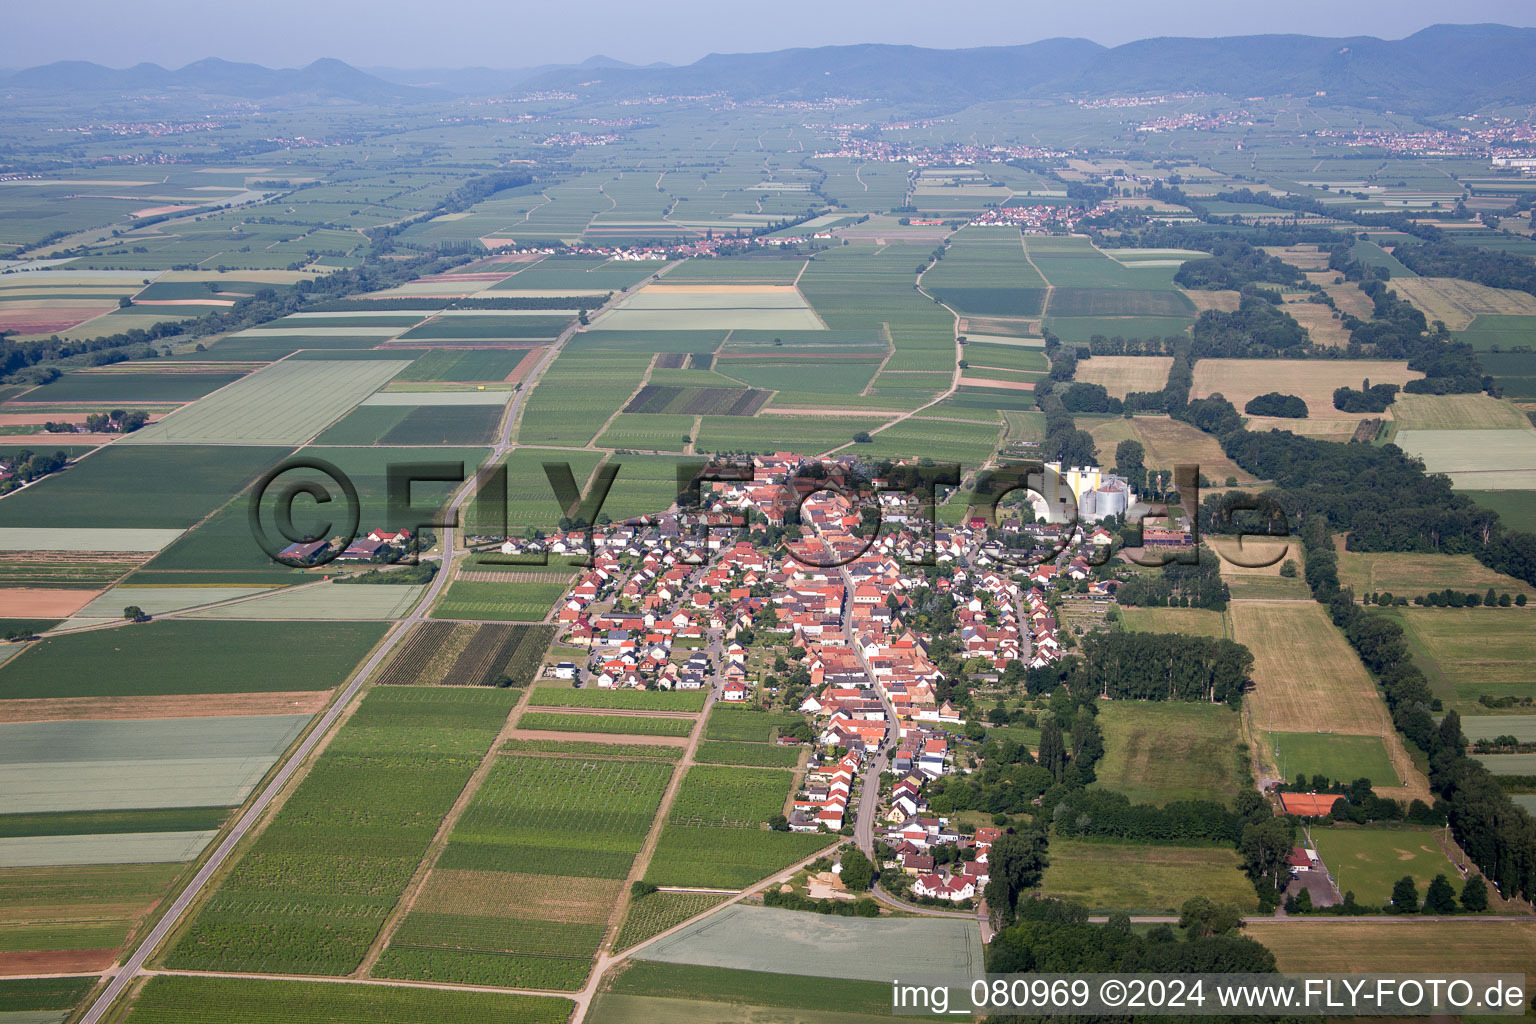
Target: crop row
634, 725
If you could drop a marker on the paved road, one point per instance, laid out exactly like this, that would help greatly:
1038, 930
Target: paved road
134, 966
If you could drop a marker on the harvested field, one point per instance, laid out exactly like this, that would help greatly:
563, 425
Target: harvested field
1306, 677
1170, 442
1457, 302
1323, 325
1311, 380
68, 709
29, 602
1456, 412
1225, 301
1161, 752
1399, 944
1121, 375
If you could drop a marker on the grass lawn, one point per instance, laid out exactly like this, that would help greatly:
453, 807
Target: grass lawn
1153, 879
180, 657
1341, 758
1158, 752
1367, 861
1189, 621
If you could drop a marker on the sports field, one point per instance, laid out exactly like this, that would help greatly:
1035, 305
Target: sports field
823, 946
1162, 752
288, 402
1397, 945
1336, 757
1476, 459
1151, 879
1121, 375
1368, 859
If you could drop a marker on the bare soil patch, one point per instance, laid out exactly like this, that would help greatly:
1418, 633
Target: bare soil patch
203, 705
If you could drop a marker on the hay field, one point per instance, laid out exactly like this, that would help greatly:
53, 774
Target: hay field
1137, 877
1121, 375
1411, 574
1323, 326
1241, 560
1476, 459
1456, 412
1456, 302
1170, 442
1157, 752
1305, 675
1189, 621
1312, 380
1399, 945
1465, 652
1225, 300
286, 403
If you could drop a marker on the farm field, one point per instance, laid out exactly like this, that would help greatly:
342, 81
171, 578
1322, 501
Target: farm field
761, 755
1468, 652
118, 848
649, 991
625, 700
288, 402
467, 654
1311, 380
1413, 574
819, 945
570, 827
1368, 859
117, 387
171, 657
747, 724
75, 917
309, 895
1170, 442
469, 599
1150, 879
1384, 945
1482, 727
329, 601
185, 1000
716, 835
1516, 509
1481, 459
1457, 303
655, 912
1456, 412
1340, 758
639, 725
143, 763
1121, 375
1162, 752
707, 307
1248, 578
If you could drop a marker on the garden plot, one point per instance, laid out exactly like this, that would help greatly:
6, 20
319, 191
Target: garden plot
329, 601
703, 307
286, 403
1477, 459
165, 762
821, 946
117, 848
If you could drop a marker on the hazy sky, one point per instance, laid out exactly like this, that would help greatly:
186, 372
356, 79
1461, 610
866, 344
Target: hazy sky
516, 33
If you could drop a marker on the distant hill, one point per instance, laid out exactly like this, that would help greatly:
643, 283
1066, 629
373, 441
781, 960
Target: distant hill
1442, 69
324, 79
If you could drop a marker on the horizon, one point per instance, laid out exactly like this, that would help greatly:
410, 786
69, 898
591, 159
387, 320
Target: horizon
174, 33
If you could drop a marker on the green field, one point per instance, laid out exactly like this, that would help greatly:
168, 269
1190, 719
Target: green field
21, 994
636, 725
1162, 752
122, 388
1337, 757
749, 724
716, 835
524, 602
1190, 621
1150, 879
688, 994
1367, 860
655, 912
1516, 509
312, 892
761, 755
223, 1000
1468, 652
595, 748
525, 886
77, 906
626, 700
175, 657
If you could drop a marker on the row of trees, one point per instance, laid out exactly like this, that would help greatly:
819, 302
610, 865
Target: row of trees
1166, 666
